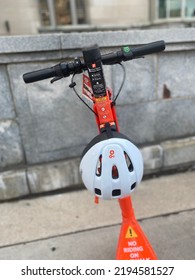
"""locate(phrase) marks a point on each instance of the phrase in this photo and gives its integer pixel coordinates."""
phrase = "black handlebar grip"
(148, 49)
(39, 75)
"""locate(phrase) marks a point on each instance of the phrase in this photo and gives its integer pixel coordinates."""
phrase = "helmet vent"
(98, 191)
(129, 163)
(99, 166)
(133, 186)
(116, 192)
(115, 174)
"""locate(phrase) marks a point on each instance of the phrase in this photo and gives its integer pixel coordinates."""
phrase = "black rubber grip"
(112, 58)
(148, 49)
(39, 75)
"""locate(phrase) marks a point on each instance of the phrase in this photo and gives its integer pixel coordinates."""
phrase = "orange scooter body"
(132, 243)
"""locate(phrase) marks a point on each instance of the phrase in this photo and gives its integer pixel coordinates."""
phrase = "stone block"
(179, 152)
(13, 184)
(137, 121)
(11, 152)
(174, 118)
(54, 176)
(30, 56)
(175, 71)
(153, 158)
(140, 83)
(157, 121)
(6, 105)
(54, 123)
(29, 43)
(131, 37)
(50, 42)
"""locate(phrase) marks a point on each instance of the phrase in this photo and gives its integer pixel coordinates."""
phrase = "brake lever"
(55, 79)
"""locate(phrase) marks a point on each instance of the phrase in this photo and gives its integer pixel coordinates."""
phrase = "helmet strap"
(109, 130)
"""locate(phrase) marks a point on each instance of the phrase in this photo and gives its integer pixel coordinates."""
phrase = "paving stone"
(49, 216)
(100, 244)
(70, 226)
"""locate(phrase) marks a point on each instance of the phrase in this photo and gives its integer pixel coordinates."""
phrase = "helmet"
(111, 167)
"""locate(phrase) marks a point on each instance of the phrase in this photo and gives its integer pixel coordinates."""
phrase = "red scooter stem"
(132, 242)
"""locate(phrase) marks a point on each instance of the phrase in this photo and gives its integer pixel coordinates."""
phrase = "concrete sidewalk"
(71, 226)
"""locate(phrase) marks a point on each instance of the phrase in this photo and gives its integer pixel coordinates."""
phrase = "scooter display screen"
(97, 78)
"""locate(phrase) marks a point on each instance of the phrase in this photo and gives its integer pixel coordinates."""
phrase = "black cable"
(122, 84)
(72, 85)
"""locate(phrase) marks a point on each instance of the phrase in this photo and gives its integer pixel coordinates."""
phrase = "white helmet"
(111, 167)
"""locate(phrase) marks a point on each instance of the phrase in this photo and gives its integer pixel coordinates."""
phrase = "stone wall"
(44, 127)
